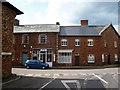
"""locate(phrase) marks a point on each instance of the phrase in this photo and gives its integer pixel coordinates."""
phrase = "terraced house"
(67, 45)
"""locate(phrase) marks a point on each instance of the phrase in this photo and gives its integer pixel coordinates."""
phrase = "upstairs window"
(115, 44)
(64, 42)
(77, 42)
(25, 39)
(105, 43)
(42, 39)
(90, 42)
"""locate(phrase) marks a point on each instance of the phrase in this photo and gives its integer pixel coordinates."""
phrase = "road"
(67, 79)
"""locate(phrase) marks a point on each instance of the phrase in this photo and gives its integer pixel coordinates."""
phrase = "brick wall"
(8, 16)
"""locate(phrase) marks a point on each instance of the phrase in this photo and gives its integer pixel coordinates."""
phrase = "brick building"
(35, 42)
(88, 45)
(67, 45)
(8, 14)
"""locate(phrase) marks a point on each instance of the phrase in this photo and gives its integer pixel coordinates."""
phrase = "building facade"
(8, 14)
(35, 42)
(67, 45)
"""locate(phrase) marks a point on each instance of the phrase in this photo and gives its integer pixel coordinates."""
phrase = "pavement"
(78, 67)
(67, 79)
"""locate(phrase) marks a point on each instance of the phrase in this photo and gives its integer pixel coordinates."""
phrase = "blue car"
(36, 64)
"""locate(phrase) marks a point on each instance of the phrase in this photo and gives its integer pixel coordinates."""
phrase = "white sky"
(67, 12)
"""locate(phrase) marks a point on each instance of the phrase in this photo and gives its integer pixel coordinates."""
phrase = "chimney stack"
(84, 22)
(57, 23)
(16, 22)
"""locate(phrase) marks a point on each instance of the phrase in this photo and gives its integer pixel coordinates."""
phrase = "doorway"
(77, 60)
(108, 58)
(24, 57)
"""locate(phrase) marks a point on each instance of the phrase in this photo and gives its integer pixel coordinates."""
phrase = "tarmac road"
(65, 79)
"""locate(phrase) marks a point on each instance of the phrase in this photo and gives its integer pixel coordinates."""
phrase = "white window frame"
(64, 42)
(116, 57)
(90, 42)
(115, 44)
(90, 57)
(77, 42)
(103, 57)
(40, 35)
(65, 57)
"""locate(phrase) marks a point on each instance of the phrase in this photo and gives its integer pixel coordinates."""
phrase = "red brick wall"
(7, 28)
(33, 41)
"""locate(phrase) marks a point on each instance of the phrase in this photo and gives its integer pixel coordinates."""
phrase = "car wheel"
(28, 67)
(43, 67)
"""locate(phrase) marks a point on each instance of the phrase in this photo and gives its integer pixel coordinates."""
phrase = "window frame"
(115, 57)
(64, 42)
(45, 38)
(25, 39)
(65, 57)
(115, 44)
(103, 57)
(77, 42)
(89, 59)
(90, 40)
(105, 43)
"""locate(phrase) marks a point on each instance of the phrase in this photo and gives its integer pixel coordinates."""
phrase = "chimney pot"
(84, 22)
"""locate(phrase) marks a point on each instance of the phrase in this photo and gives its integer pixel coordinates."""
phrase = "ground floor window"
(44, 55)
(116, 57)
(65, 57)
(103, 57)
(91, 58)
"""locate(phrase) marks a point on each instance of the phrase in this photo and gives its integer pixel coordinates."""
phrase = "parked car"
(36, 64)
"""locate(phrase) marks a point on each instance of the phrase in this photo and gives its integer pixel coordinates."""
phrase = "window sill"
(63, 45)
(77, 45)
(90, 45)
(91, 61)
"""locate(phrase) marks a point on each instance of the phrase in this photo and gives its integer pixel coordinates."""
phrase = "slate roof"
(36, 28)
(81, 30)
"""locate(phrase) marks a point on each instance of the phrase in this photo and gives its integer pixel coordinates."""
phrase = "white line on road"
(71, 81)
(100, 78)
(46, 84)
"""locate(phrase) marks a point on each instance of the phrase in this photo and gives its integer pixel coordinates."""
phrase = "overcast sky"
(67, 12)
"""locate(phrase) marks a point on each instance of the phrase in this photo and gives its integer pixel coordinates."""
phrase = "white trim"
(91, 61)
(90, 40)
(36, 28)
(64, 42)
(68, 50)
(6, 53)
(104, 28)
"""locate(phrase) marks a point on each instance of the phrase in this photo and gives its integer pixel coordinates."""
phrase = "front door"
(108, 58)
(77, 60)
(24, 57)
